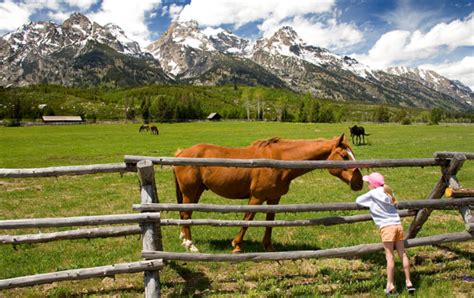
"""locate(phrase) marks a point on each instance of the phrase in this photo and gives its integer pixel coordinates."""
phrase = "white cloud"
(401, 46)
(129, 15)
(238, 13)
(329, 34)
(274, 14)
(12, 16)
(462, 70)
(59, 16)
(406, 16)
(173, 11)
(82, 4)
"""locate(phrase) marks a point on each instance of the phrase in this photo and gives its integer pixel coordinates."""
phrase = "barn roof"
(62, 118)
(214, 116)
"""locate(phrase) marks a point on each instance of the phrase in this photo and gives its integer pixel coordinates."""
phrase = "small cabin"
(214, 117)
(62, 120)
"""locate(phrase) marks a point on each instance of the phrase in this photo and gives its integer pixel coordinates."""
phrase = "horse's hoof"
(236, 250)
(181, 235)
(269, 249)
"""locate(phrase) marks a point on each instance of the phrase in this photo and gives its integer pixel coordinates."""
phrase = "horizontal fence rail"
(326, 221)
(79, 220)
(84, 273)
(446, 155)
(286, 164)
(349, 251)
(63, 171)
(103, 232)
(433, 204)
(130, 160)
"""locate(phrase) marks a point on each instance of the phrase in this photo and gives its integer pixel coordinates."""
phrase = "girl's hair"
(388, 191)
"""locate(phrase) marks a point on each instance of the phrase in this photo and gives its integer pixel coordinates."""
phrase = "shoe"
(392, 292)
(411, 290)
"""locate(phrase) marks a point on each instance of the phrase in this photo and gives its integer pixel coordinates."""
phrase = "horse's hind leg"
(237, 242)
(267, 238)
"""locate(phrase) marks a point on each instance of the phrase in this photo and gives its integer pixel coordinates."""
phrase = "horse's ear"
(340, 141)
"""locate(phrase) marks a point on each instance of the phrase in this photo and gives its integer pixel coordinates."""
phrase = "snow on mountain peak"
(45, 38)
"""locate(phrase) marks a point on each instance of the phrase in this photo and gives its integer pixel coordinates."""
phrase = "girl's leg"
(388, 246)
(406, 263)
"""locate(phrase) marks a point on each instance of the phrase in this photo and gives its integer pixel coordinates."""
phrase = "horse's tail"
(367, 134)
(179, 195)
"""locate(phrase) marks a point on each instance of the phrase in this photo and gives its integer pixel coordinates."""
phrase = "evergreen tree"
(302, 115)
(326, 114)
(145, 107)
(314, 107)
(381, 114)
(436, 115)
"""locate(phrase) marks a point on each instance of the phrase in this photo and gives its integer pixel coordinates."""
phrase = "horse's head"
(342, 151)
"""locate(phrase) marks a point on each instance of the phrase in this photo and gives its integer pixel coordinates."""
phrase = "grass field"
(439, 271)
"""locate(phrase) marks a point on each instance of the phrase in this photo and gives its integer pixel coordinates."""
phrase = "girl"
(381, 202)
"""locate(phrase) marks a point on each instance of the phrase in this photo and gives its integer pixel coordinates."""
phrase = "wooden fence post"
(151, 232)
(447, 173)
(464, 210)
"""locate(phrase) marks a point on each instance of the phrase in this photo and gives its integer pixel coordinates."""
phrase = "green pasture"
(438, 271)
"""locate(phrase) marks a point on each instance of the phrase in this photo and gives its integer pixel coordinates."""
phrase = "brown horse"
(256, 184)
(154, 130)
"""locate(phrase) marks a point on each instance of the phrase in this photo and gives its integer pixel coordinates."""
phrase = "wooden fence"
(150, 221)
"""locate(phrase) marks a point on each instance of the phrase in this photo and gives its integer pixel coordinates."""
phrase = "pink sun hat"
(375, 179)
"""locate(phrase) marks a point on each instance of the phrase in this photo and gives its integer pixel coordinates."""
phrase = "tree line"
(185, 103)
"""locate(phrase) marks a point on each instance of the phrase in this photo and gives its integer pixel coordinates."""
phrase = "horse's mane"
(276, 140)
(265, 143)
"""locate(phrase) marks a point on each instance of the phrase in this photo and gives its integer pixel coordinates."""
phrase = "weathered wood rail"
(150, 221)
(83, 273)
(64, 170)
(341, 252)
(286, 164)
(419, 204)
(413, 207)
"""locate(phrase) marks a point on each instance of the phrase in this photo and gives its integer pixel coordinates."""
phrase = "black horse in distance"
(359, 133)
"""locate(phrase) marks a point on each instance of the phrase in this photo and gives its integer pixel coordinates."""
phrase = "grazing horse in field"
(358, 132)
(154, 130)
(144, 128)
(259, 185)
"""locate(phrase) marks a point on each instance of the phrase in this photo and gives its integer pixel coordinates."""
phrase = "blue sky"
(434, 34)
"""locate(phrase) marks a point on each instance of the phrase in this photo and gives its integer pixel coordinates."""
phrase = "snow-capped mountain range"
(77, 52)
(81, 52)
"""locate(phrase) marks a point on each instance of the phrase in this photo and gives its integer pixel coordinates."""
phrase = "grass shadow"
(257, 246)
(458, 252)
(115, 292)
(194, 281)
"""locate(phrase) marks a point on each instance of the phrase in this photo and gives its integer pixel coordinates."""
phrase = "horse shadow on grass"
(252, 246)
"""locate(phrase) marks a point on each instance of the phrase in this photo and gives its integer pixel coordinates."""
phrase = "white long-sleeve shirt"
(381, 208)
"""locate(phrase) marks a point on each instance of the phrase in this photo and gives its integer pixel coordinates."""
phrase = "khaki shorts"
(391, 233)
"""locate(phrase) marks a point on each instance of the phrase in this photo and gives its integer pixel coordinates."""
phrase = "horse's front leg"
(267, 238)
(237, 242)
(185, 233)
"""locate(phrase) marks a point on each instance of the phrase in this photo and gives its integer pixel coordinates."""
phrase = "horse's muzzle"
(356, 181)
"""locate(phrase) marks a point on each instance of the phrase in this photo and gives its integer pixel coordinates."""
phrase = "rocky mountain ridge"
(187, 52)
(81, 52)
(77, 52)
